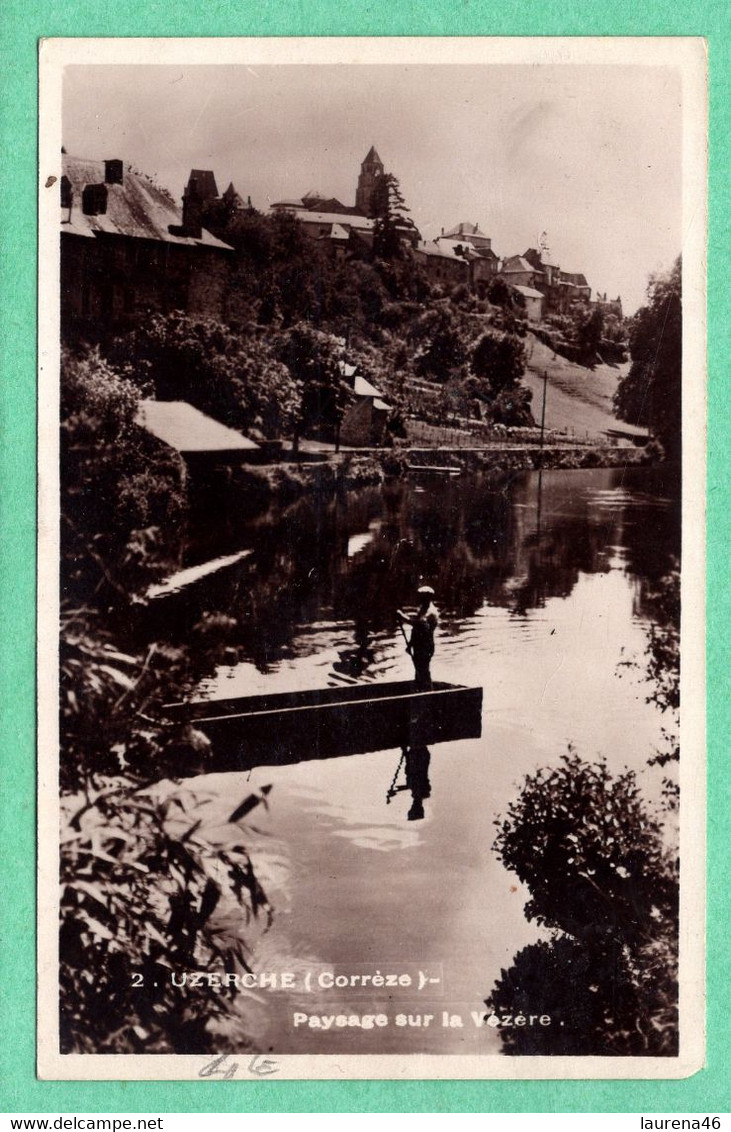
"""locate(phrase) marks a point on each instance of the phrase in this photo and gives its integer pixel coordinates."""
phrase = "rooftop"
(203, 183)
(187, 429)
(346, 219)
(136, 207)
(364, 388)
(528, 292)
(464, 228)
(515, 263)
(445, 249)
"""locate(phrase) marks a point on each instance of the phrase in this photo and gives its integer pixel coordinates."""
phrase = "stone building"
(532, 301)
(344, 227)
(476, 248)
(518, 271)
(445, 261)
(126, 250)
(562, 289)
(371, 170)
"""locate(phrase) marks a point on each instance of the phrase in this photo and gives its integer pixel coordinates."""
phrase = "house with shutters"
(128, 250)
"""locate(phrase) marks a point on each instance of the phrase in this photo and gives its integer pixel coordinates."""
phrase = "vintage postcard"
(371, 482)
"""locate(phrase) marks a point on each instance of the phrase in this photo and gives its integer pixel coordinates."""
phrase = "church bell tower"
(370, 171)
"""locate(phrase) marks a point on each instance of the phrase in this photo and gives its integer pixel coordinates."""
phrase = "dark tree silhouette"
(651, 393)
(499, 359)
(601, 878)
(393, 225)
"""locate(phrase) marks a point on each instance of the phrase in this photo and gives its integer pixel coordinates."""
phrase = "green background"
(22, 22)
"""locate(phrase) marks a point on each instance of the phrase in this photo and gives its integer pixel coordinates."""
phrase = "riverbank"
(350, 470)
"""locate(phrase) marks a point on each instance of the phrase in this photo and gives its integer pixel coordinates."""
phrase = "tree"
(498, 292)
(651, 393)
(590, 853)
(594, 860)
(124, 501)
(445, 351)
(313, 358)
(141, 881)
(499, 359)
(232, 376)
(393, 224)
(589, 336)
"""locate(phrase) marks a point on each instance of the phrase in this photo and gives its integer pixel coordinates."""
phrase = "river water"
(542, 586)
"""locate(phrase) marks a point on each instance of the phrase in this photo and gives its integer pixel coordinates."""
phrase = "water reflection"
(353, 561)
(541, 594)
(415, 761)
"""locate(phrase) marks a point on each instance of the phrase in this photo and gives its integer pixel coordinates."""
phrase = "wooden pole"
(543, 418)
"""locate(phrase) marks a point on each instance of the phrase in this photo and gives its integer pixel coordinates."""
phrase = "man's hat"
(426, 590)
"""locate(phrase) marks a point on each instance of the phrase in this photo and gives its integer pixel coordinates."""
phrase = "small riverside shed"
(198, 438)
(364, 423)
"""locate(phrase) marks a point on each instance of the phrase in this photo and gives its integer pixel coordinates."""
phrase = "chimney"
(113, 172)
(192, 209)
(67, 194)
(94, 200)
(442, 231)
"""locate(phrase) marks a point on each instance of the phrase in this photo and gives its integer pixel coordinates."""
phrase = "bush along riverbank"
(256, 486)
(145, 887)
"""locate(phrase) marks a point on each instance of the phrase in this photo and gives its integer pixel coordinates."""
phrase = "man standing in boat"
(423, 626)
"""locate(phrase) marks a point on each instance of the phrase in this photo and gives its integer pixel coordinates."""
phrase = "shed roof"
(136, 208)
(187, 429)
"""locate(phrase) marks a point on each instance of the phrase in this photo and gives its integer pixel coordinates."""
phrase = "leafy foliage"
(393, 224)
(589, 852)
(589, 336)
(651, 393)
(124, 495)
(499, 359)
(313, 358)
(231, 375)
(445, 350)
(143, 887)
(600, 1002)
(598, 872)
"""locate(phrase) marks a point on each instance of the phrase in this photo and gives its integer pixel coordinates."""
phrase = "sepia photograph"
(371, 452)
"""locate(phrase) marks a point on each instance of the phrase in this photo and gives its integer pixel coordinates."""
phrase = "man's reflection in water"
(416, 760)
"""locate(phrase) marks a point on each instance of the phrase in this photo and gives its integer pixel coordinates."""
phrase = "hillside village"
(406, 339)
(306, 449)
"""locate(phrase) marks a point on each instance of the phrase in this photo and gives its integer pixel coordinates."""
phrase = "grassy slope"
(578, 399)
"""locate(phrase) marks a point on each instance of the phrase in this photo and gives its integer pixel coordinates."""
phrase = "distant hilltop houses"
(128, 248)
(346, 228)
(464, 255)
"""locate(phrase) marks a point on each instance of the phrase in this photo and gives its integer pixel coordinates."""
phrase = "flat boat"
(290, 727)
